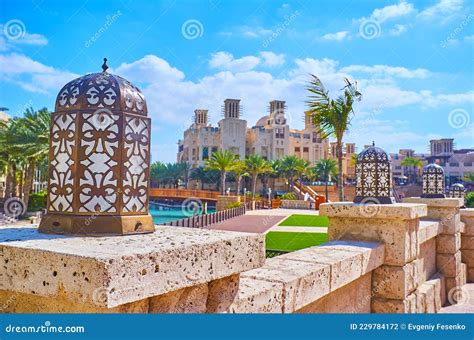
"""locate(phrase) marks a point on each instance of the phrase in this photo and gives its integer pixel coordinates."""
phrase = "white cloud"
(148, 69)
(443, 8)
(401, 9)
(398, 30)
(338, 36)
(226, 61)
(32, 75)
(272, 59)
(384, 70)
(25, 39)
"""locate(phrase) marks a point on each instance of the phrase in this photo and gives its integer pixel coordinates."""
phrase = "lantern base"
(96, 225)
(374, 200)
(433, 196)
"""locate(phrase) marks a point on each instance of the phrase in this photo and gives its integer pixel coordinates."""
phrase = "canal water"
(161, 215)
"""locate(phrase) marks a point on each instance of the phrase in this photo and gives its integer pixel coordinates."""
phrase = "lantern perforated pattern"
(456, 191)
(433, 181)
(99, 159)
(373, 177)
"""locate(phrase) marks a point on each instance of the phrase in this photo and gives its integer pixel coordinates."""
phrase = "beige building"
(271, 137)
(348, 160)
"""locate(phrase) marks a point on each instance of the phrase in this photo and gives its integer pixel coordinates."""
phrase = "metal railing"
(269, 253)
(202, 221)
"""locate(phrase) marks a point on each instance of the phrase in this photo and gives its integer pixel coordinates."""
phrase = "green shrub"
(288, 196)
(234, 205)
(249, 195)
(469, 199)
(37, 201)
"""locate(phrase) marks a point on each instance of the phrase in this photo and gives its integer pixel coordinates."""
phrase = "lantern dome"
(456, 191)
(101, 91)
(433, 181)
(373, 177)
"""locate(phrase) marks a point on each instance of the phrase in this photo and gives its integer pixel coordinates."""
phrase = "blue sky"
(413, 60)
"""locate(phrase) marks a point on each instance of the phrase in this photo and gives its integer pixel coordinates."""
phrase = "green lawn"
(289, 241)
(305, 221)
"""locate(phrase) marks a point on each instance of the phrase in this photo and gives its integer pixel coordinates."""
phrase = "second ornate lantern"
(99, 159)
(373, 177)
(433, 181)
(457, 191)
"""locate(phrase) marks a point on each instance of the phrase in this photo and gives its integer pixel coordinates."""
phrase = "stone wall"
(224, 201)
(400, 258)
(467, 242)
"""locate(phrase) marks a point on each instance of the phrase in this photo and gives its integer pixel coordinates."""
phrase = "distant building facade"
(456, 163)
(271, 137)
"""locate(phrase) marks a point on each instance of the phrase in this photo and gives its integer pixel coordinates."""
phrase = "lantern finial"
(373, 143)
(105, 66)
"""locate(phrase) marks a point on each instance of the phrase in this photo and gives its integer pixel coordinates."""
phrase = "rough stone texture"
(352, 298)
(222, 293)
(467, 216)
(394, 282)
(256, 296)
(448, 244)
(345, 266)
(436, 202)
(403, 211)
(113, 271)
(303, 282)
(186, 300)
(381, 305)
(399, 236)
(454, 283)
(224, 201)
(449, 264)
(468, 257)
(428, 230)
(427, 260)
(15, 302)
(467, 242)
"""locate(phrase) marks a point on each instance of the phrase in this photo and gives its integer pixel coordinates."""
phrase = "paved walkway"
(248, 223)
(467, 305)
(260, 221)
(282, 212)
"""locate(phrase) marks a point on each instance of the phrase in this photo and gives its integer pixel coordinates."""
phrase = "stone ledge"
(436, 202)
(403, 211)
(428, 230)
(468, 212)
(112, 271)
(302, 277)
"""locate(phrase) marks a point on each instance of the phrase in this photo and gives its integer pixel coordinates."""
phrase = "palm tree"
(24, 142)
(224, 162)
(292, 167)
(324, 169)
(412, 162)
(256, 166)
(332, 117)
(240, 171)
(469, 177)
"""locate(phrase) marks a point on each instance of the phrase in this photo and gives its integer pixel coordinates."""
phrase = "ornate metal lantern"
(456, 191)
(373, 177)
(99, 159)
(433, 181)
